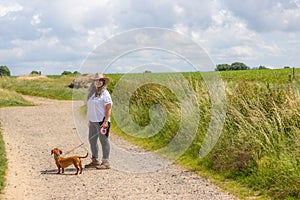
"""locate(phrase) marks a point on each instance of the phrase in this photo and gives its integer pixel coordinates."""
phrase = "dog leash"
(80, 144)
(74, 148)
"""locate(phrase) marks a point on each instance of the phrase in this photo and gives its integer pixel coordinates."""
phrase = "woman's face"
(98, 83)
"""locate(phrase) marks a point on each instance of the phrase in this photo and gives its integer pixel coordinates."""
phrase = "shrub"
(4, 71)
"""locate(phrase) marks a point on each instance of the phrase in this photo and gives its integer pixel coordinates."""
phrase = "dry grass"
(31, 77)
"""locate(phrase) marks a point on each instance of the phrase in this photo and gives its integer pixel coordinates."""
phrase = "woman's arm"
(107, 115)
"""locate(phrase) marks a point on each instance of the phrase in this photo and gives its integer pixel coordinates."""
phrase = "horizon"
(150, 72)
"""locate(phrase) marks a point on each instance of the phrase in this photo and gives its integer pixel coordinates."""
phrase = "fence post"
(293, 72)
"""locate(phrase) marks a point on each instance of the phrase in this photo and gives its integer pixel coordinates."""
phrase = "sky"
(60, 35)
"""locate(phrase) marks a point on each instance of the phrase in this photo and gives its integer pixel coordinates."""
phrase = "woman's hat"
(98, 76)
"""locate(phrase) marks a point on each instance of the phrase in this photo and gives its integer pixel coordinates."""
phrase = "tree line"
(4, 70)
(236, 66)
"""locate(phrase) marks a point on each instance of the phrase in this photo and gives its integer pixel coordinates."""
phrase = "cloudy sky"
(58, 35)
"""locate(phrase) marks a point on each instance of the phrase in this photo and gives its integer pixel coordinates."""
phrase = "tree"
(4, 71)
(233, 66)
(223, 67)
(70, 73)
(34, 72)
(76, 72)
(262, 67)
(66, 73)
(239, 66)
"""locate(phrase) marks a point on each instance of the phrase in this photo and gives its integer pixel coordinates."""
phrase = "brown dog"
(65, 162)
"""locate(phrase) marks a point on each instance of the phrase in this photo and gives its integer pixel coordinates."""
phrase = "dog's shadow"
(54, 172)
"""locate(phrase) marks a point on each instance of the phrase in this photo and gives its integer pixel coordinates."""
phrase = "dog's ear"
(51, 152)
(60, 151)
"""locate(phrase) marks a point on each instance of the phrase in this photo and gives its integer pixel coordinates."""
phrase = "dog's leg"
(62, 170)
(77, 169)
(58, 169)
(80, 166)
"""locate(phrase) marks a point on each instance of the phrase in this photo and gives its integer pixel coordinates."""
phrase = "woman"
(99, 106)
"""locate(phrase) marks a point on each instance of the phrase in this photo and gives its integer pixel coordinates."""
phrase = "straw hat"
(98, 76)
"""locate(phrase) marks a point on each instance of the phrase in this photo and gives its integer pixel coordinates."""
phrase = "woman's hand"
(104, 125)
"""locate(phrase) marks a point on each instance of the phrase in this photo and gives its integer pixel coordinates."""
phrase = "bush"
(36, 72)
(4, 71)
(70, 73)
(233, 66)
(66, 73)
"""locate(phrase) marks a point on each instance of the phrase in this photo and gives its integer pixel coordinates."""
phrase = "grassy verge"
(3, 163)
(257, 155)
(12, 98)
(53, 87)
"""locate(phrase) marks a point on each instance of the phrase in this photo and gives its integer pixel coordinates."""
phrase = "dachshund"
(62, 163)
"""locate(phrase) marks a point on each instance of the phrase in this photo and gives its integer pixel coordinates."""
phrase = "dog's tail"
(84, 156)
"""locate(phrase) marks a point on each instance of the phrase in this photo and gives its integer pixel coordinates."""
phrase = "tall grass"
(140, 103)
(12, 98)
(3, 163)
(259, 144)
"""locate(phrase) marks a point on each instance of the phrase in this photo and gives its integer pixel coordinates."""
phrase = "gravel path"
(31, 132)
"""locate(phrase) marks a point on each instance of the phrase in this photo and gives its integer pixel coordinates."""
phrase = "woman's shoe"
(103, 166)
(94, 164)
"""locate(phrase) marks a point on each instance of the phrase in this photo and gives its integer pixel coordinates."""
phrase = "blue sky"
(54, 36)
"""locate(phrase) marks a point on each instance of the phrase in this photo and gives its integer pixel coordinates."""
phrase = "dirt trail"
(31, 132)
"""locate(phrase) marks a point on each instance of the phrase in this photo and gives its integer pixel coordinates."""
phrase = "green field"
(257, 154)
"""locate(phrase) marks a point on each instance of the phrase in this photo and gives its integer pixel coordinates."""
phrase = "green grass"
(259, 145)
(257, 154)
(258, 151)
(53, 87)
(3, 163)
(12, 98)
(275, 76)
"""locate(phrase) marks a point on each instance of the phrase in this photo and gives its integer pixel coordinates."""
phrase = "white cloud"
(99, 34)
(242, 51)
(6, 9)
(35, 20)
(268, 15)
(229, 39)
(65, 31)
(178, 10)
(14, 53)
(181, 28)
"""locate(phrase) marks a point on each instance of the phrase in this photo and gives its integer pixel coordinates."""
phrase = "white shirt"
(96, 107)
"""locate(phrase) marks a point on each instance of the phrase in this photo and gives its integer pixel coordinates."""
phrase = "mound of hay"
(32, 77)
(83, 81)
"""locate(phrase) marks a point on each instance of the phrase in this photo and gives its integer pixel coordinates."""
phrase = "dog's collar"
(56, 157)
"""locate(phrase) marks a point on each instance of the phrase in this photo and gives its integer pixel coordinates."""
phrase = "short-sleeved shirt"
(96, 107)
